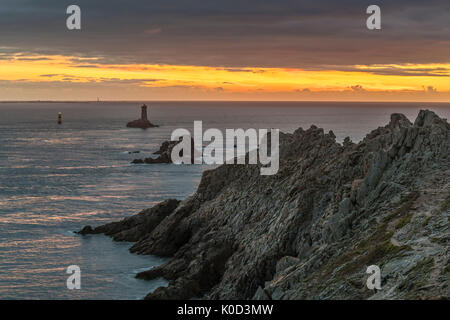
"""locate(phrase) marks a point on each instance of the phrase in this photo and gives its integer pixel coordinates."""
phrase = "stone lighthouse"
(143, 122)
(144, 112)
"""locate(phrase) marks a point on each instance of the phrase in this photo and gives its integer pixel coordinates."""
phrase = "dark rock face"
(310, 231)
(143, 122)
(86, 230)
(137, 226)
(165, 153)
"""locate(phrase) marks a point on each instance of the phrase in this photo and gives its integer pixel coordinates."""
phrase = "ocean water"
(55, 179)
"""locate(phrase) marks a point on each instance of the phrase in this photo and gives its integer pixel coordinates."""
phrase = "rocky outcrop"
(135, 227)
(165, 153)
(310, 231)
(142, 124)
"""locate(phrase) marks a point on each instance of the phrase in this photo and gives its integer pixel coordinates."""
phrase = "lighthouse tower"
(143, 121)
(144, 112)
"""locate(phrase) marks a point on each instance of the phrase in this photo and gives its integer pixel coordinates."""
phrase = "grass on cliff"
(404, 206)
(404, 221)
(445, 205)
(417, 278)
(376, 248)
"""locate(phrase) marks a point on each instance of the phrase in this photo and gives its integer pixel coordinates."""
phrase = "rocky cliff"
(310, 231)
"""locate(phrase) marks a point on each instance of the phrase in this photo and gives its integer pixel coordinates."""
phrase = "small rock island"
(143, 122)
(165, 152)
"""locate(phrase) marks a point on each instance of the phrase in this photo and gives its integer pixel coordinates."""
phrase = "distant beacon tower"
(144, 112)
(143, 122)
(59, 117)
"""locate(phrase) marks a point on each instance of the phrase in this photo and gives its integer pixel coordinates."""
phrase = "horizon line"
(213, 100)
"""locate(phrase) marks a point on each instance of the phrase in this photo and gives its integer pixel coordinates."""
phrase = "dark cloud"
(418, 72)
(33, 59)
(237, 70)
(86, 66)
(430, 89)
(388, 70)
(357, 88)
(232, 33)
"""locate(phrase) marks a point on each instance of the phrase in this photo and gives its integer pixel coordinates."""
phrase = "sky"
(225, 50)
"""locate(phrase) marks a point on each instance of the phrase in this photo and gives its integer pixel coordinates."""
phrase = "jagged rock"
(137, 226)
(347, 142)
(285, 263)
(261, 295)
(356, 183)
(165, 153)
(303, 233)
(86, 230)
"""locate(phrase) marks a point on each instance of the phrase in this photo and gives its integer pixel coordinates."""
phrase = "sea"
(55, 179)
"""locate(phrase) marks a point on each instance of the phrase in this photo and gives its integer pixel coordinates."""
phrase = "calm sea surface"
(55, 179)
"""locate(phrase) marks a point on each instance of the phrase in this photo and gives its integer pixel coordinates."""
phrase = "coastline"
(309, 231)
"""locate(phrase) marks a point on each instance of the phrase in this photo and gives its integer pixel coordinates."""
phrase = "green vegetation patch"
(404, 221)
(417, 278)
(375, 249)
(426, 221)
(445, 205)
(405, 204)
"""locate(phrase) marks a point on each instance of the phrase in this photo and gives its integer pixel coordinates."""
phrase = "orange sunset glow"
(360, 81)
